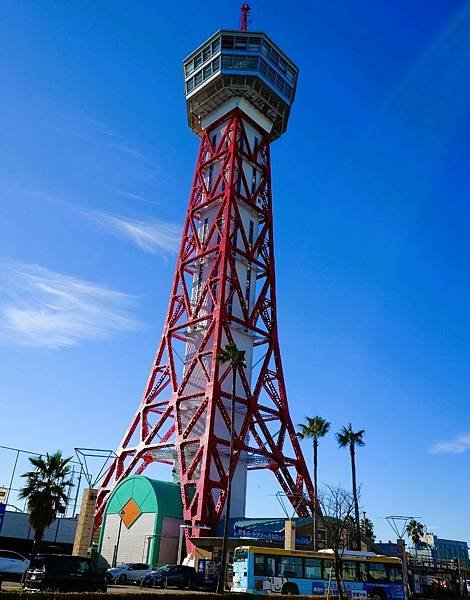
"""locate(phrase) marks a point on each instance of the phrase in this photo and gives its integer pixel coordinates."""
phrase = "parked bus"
(277, 571)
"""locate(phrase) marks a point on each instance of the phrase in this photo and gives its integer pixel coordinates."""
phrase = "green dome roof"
(150, 495)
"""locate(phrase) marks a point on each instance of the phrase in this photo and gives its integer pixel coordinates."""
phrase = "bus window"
(349, 570)
(240, 554)
(270, 565)
(290, 566)
(377, 572)
(265, 565)
(328, 569)
(363, 572)
(259, 564)
(394, 574)
(312, 568)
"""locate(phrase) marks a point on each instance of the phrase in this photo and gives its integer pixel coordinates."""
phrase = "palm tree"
(44, 492)
(415, 531)
(235, 359)
(347, 438)
(314, 429)
(367, 528)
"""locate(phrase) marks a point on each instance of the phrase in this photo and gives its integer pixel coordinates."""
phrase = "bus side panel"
(393, 591)
(355, 589)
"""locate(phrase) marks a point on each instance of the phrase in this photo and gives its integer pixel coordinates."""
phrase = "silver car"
(127, 573)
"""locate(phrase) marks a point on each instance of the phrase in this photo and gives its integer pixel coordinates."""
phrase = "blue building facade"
(440, 548)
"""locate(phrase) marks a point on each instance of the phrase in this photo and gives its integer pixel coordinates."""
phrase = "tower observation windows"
(240, 62)
(276, 59)
(202, 75)
(202, 57)
(233, 51)
(274, 56)
(271, 74)
(241, 43)
(227, 42)
(189, 68)
(290, 75)
(254, 44)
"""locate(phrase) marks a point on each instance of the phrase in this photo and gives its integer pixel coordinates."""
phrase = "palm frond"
(348, 437)
(44, 490)
(232, 356)
(314, 428)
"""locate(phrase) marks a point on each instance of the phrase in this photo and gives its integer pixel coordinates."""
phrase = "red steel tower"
(239, 88)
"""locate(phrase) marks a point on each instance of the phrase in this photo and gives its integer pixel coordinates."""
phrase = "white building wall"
(133, 542)
(16, 525)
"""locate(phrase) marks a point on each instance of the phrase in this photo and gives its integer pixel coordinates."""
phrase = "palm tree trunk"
(38, 535)
(338, 572)
(356, 501)
(223, 562)
(315, 477)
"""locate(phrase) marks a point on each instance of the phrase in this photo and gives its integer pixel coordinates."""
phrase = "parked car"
(64, 573)
(127, 573)
(174, 576)
(12, 564)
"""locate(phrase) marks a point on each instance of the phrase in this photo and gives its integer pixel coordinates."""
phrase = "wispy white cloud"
(129, 150)
(151, 235)
(132, 196)
(96, 132)
(458, 445)
(156, 237)
(42, 308)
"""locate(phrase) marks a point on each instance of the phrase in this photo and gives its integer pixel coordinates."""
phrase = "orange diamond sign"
(130, 512)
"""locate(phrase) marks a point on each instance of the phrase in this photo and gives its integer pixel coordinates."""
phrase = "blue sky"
(371, 195)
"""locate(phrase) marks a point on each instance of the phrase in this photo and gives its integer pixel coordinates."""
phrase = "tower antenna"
(244, 12)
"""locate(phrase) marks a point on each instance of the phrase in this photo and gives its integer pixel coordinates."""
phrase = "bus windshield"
(240, 554)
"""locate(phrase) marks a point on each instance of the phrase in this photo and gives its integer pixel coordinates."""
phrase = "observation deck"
(239, 68)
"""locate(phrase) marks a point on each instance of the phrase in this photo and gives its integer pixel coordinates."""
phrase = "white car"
(127, 573)
(12, 563)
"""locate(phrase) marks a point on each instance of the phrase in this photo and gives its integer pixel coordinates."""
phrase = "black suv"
(64, 573)
(174, 576)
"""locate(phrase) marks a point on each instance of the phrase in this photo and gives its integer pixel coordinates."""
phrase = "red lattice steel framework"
(174, 415)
